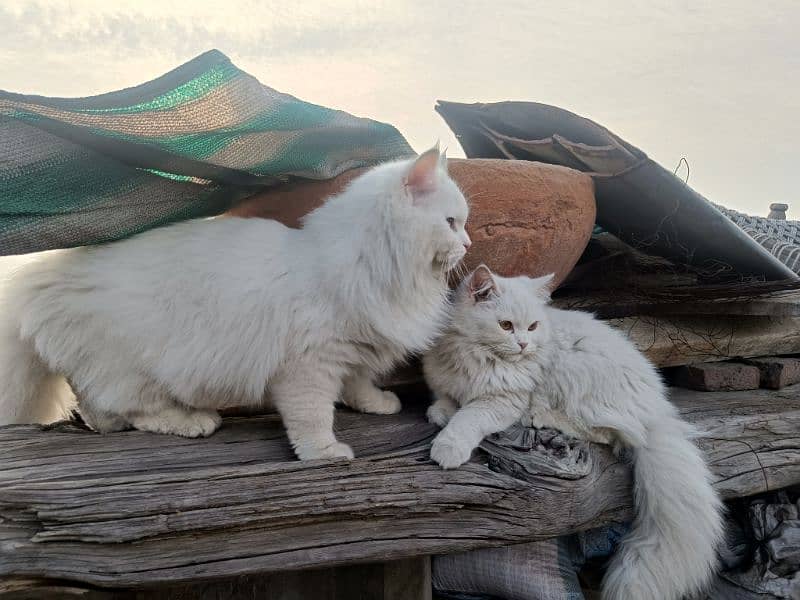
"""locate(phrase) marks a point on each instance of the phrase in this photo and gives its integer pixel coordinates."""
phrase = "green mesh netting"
(77, 171)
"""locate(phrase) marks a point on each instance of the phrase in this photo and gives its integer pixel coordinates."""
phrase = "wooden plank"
(751, 438)
(675, 341)
(136, 510)
(618, 304)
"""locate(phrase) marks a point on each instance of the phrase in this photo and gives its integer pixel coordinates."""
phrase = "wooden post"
(778, 211)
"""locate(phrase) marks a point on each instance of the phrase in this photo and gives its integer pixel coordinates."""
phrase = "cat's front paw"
(449, 453)
(438, 414)
(334, 450)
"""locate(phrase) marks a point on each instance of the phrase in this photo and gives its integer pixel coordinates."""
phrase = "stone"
(777, 373)
(526, 218)
(777, 210)
(720, 377)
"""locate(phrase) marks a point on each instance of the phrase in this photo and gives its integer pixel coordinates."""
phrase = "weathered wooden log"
(681, 340)
(134, 509)
(619, 304)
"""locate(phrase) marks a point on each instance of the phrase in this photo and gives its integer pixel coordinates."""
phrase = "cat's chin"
(501, 354)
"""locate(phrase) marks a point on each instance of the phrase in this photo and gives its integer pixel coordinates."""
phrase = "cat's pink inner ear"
(421, 177)
(482, 284)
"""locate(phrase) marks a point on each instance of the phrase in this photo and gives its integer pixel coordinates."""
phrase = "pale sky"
(716, 82)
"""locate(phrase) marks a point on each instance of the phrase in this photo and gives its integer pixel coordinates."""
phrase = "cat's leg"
(473, 422)
(442, 410)
(360, 393)
(179, 420)
(305, 400)
(133, 401)
(101, 420)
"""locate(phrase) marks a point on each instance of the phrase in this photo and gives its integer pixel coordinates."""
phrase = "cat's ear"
(443, 159)
(543, 286)
(422, 174)
(482, 285)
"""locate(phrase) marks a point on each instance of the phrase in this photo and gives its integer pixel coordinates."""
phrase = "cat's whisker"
(460, 271)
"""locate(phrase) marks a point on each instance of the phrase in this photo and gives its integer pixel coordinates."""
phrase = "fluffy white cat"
(508, 356)
(159, 331)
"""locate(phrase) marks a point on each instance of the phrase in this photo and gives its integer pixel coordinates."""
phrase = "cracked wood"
(134, 509)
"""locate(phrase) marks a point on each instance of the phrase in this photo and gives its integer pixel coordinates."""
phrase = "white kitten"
(159, 331)
(508, 356)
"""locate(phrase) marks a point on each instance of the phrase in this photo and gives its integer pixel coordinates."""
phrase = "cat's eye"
(533, 326)
(452, 222)
(506, 325)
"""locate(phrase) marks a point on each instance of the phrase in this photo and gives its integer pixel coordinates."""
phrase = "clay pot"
(525, 217)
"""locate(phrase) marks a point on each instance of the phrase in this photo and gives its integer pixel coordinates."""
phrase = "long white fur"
(581, 376)
(161, 330)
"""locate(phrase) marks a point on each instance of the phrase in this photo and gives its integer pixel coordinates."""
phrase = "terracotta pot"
(525, 217)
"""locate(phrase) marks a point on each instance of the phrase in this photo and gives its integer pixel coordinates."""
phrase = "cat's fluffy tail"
(29, 391)
(671, 550)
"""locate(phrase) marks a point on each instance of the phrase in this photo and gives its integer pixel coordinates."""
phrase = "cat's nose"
(467, 244)
(522, 345)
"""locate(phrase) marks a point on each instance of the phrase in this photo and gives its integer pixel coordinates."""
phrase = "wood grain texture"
(618, 304)
(135, 510)
(681, 340)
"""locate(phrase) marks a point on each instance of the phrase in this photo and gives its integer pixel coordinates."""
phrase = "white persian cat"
(158, 331)
(508, 356)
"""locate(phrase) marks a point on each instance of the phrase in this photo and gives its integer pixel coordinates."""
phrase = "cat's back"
(179, 303)
(218, 248)
(203, 267)
(584, 342)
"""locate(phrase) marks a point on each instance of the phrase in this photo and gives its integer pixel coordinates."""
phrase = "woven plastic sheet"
(780, 237)
(78, 171)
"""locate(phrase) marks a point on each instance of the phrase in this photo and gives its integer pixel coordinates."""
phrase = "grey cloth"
(534, 571)
(763, 561)
(546, 570)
